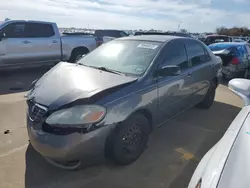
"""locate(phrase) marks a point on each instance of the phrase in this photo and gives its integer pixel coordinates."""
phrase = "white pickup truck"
(34, 43)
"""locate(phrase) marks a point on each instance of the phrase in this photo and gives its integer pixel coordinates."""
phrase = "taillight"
(235, 61)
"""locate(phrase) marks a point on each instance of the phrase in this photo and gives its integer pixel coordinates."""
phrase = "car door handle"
(54, 41)
(26, 42)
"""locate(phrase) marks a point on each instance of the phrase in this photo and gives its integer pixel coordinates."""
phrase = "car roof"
(28, 21)
(153, 38)
(228, 44)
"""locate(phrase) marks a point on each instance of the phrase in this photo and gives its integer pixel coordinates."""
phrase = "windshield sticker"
(148, 46)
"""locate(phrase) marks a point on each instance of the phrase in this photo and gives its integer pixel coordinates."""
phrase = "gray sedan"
(114, 97)
(227, 164)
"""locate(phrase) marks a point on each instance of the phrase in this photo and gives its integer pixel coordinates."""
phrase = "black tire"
(129, 140)
(208, 100)
(77, 54)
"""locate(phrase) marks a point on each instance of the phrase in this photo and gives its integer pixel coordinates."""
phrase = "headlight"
(77, 115)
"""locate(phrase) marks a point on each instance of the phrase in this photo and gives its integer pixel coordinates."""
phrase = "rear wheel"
(77, 54)
(208, 100)
(130, 140)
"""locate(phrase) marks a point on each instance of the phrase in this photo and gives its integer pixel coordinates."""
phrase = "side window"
(14, 30)
(123, 34)
(38, 30)
(196, 53)
(175, 54)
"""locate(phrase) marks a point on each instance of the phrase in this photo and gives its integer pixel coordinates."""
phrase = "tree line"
(235, 31)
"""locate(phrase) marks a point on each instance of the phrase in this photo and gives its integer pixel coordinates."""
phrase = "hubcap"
(132, 139)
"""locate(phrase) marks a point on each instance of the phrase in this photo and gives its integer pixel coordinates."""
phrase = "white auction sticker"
(147, 46)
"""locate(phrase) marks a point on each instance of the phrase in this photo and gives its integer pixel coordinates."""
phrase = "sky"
(193, 15)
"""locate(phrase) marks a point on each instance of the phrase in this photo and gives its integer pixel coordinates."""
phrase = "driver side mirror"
(169, 70)
(242, 88)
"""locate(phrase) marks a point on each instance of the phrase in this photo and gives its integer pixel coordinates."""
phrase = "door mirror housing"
(169, 70)
(242, 88)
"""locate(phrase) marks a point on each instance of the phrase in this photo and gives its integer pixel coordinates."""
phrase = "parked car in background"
(32, 43)
(163, 33)
(226, 164)
(210, 39)
(235, 57)
(116, 95)
(201, 38)
(106, 35)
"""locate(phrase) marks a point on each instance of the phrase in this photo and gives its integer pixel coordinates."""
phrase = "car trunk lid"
(225, 55)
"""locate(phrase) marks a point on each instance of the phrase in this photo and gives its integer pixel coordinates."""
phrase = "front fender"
(140, 100)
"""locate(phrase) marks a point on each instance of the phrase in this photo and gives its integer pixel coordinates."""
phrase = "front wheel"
(130, 140)
(208, 100)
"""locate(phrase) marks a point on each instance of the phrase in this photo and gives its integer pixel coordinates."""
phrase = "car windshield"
(126, 56)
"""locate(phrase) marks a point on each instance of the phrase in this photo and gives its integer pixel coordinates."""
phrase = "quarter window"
(197, 53)
(175, 54)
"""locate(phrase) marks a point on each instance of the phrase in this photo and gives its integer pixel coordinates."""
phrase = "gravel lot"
(173, 152)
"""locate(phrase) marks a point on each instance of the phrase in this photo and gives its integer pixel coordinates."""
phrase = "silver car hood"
(212, 165)
(236, 172)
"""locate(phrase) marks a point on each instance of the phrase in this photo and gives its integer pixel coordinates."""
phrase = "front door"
(174, 91)
(15, 47)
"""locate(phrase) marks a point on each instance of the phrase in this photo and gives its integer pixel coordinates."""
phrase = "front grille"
(36, 111)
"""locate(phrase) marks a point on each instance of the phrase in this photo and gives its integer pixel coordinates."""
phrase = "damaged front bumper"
(59, 150)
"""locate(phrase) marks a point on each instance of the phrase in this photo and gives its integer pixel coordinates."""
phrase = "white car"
(227, 163)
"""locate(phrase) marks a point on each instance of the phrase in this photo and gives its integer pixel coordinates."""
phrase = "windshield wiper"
(107, 70)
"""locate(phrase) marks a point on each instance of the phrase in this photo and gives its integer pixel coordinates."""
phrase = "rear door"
(46, 45)
(202, 67)
(174, 91)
